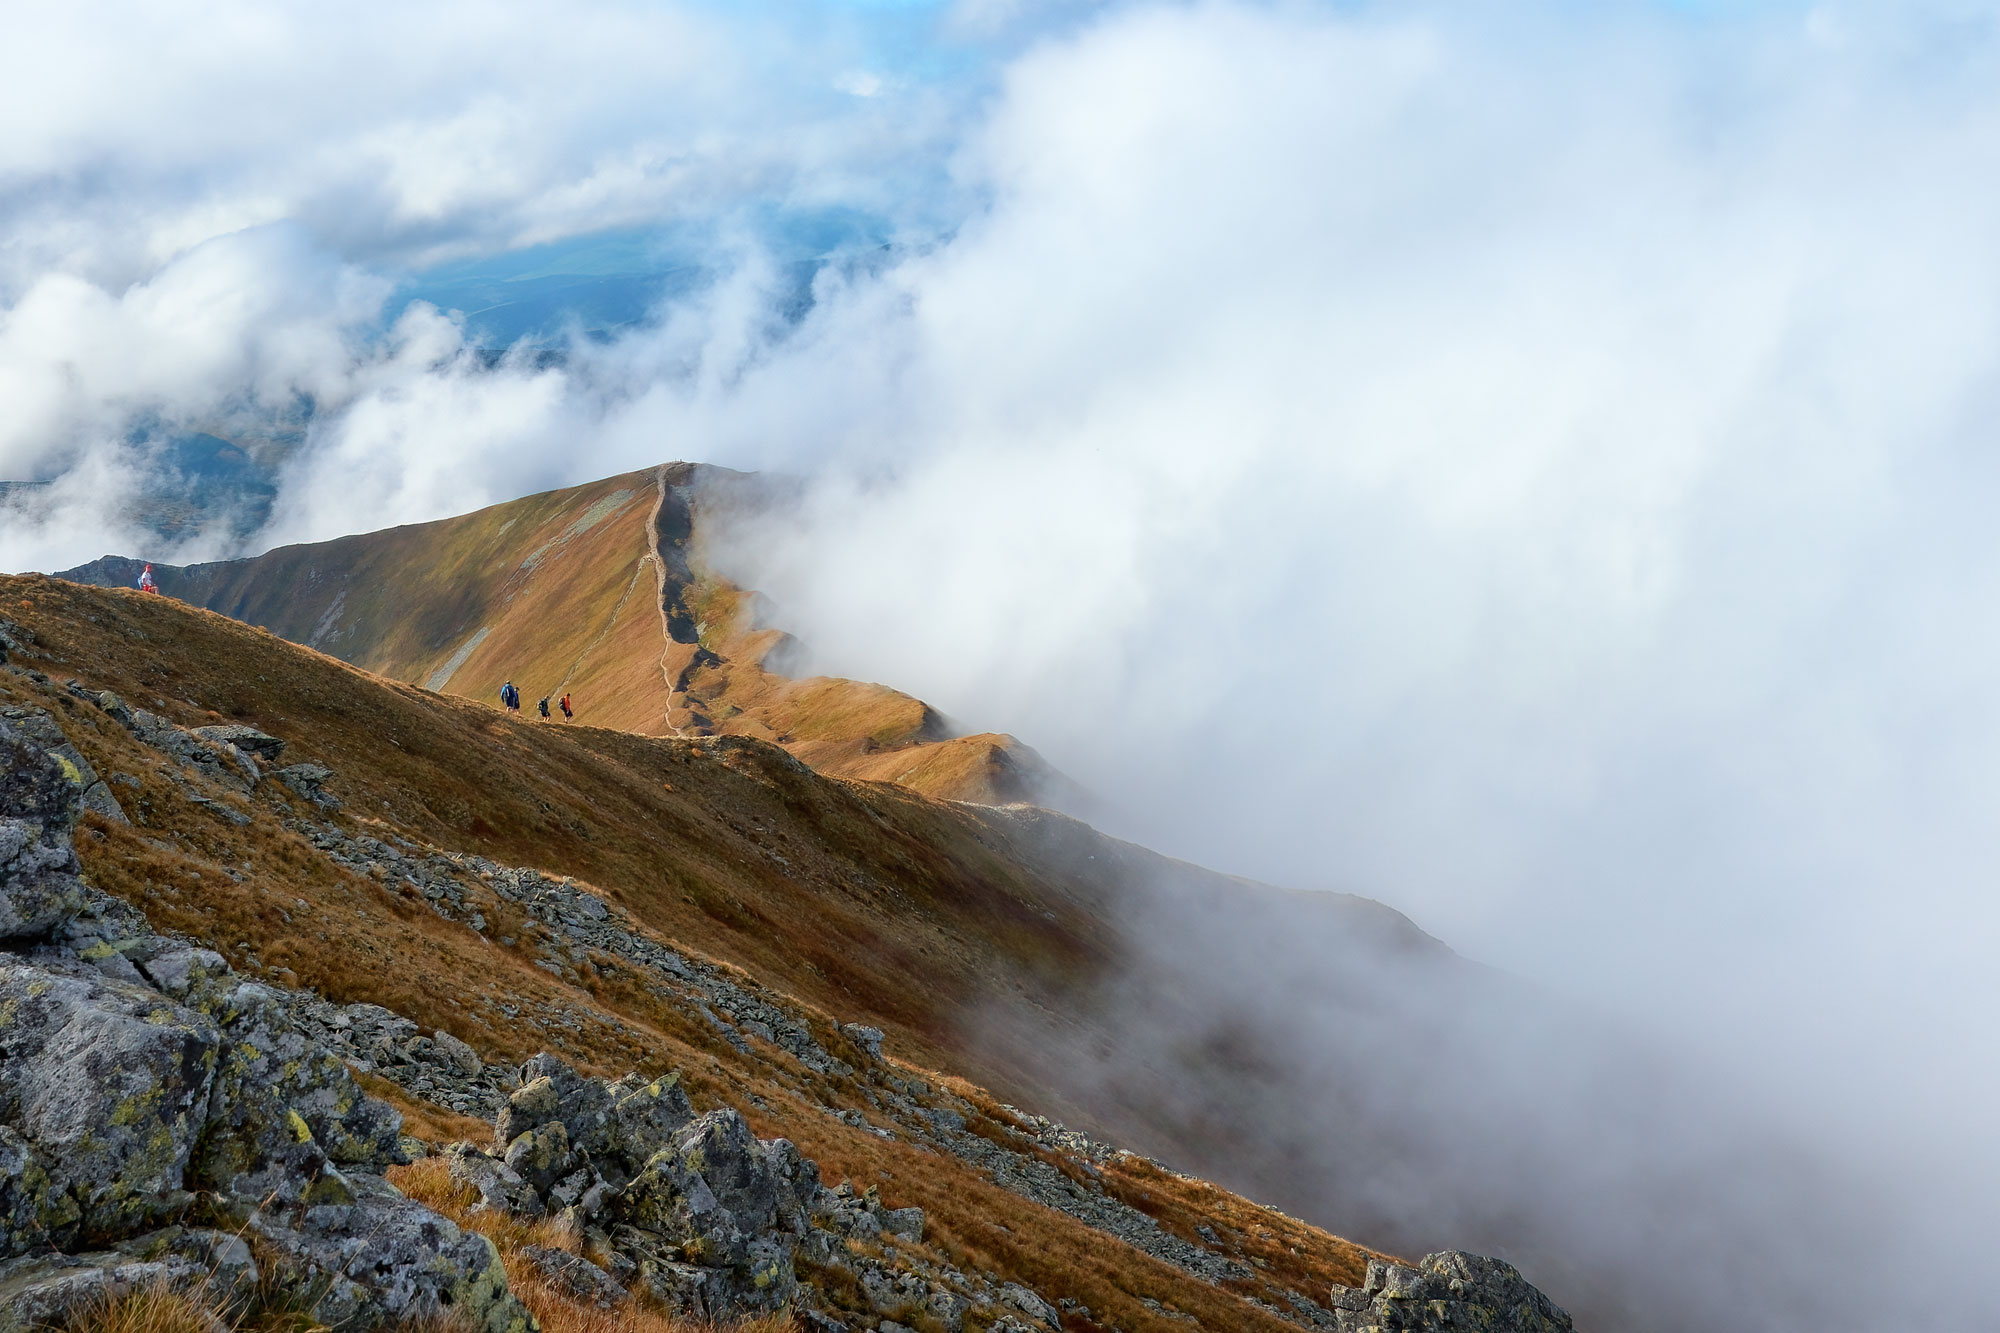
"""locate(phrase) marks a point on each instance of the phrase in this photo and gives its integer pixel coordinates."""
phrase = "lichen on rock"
(136, 1070)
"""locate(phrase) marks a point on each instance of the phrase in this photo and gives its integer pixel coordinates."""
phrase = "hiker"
(568, 716)
(146, 583)
(510, 698)
(545, 708)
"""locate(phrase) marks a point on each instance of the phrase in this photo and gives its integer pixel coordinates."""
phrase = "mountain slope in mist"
(599, 592)
(1308, 1049)
(828, 952)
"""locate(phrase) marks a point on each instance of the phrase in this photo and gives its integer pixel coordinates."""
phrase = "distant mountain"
(600, 592)
(188, 481)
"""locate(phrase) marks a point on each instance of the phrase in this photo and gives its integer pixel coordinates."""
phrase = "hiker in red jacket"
(146, 583)
(568, 716)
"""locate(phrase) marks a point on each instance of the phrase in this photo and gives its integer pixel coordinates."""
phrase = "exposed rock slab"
(1451, 1290)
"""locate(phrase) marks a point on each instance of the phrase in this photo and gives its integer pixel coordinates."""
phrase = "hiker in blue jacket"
(510, 697)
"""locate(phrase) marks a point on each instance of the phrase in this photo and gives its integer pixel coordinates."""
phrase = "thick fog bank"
(1354, 1073)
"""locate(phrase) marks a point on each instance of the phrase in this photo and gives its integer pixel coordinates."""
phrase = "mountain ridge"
(549, 588)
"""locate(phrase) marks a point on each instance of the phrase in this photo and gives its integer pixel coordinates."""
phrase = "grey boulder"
(39, 794)
(646, 1115)
(309, 781)
(730, 1204)
(45, 1290)
(104, 1095)
(460, 1058)
(283, 1108)
(499, 1186)
(1450, 1290)
(383, 1258)
(247, 739)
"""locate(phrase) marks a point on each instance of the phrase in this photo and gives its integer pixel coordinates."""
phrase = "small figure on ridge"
(568, 716)
(146, 582)
(510, 698)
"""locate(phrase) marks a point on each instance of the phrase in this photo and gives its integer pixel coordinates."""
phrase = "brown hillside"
(838, 901)
(598, 591)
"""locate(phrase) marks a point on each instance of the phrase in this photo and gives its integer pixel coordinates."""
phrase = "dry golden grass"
(425, 1120)
(1295, 1253)
(155, 1308)
(986, 769)
(429, 1182)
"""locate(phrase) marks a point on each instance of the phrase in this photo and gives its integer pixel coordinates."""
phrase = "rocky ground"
(166, 1119)
(163, 1121)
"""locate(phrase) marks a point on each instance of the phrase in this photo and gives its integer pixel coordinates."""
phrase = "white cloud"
(425, 429)
(252, 313)
(1528, 480)
(401, 133)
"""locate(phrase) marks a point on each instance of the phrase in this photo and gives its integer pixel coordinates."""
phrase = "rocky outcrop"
(14, 639)
(219, 761)
(1448, 1291)
(39, 887)
(697, 1214)
(107, 1092)
(576, 924)
(309, 781)
(249, 740)
(228, 755)
(144, 1085)
(692, 1210)
(367, 1255)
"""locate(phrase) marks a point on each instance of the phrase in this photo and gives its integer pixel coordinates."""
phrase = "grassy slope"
(567, 593)
(844, 727)
(867, 901)
(400, 601)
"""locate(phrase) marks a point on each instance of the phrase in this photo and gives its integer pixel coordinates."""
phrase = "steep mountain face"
(677, 1022)
(599, 592)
